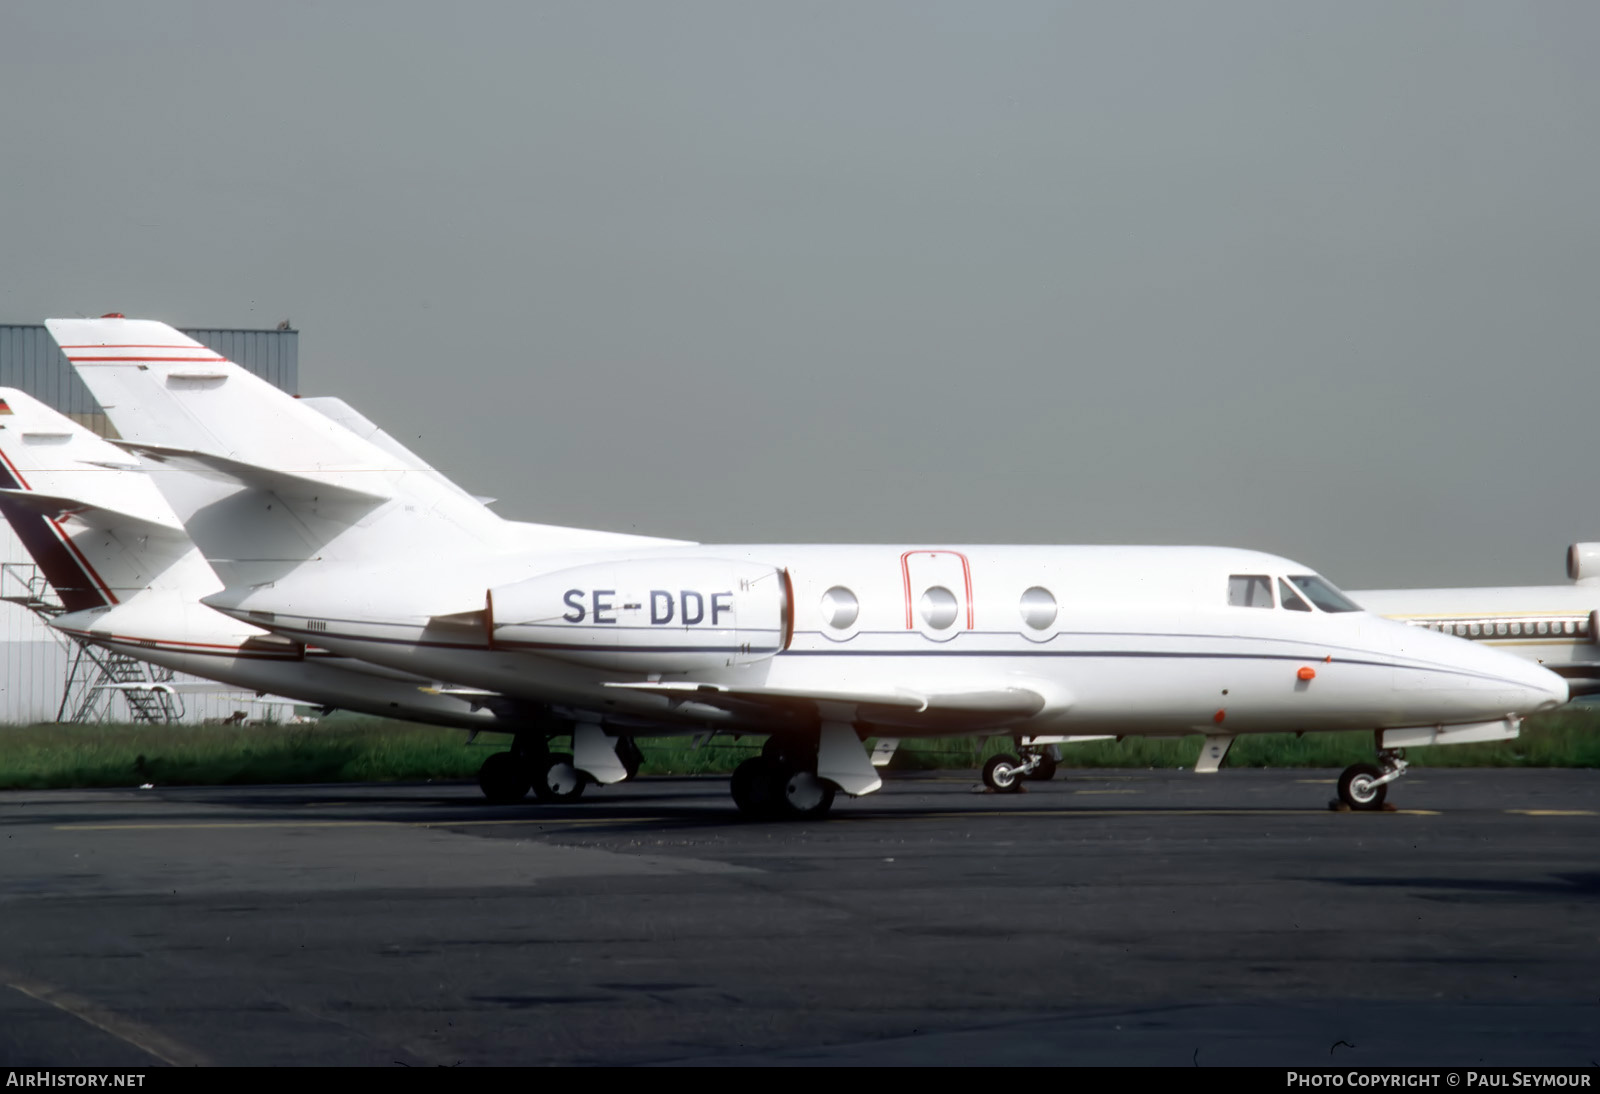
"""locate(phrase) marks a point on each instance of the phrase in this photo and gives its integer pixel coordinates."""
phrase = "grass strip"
(350, 749)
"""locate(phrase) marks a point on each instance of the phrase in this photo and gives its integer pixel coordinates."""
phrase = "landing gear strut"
(1364, 786)
(507, 777)
(1004, 773)
(1045, 768)
(782, 783)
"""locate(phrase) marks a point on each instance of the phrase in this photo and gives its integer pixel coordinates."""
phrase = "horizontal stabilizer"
(55, 508)
(286, 484)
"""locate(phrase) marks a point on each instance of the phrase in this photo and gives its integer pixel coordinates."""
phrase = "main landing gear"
(507, 777)
(552, 776)
(1363, 787)
(782, 783)
(1004, 773)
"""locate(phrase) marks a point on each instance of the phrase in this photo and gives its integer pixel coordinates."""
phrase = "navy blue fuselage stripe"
(585, 647)
(1192, 656)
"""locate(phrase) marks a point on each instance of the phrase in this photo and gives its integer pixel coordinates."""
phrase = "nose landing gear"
(1004, 773)
(1363, 787)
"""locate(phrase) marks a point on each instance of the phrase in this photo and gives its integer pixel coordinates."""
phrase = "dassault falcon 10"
(317, 538)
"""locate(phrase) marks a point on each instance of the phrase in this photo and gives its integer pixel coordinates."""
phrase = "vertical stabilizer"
(93, 522)
(239, 460)
(263, 483)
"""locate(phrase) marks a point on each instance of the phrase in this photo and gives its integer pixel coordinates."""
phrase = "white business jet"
(318, 539)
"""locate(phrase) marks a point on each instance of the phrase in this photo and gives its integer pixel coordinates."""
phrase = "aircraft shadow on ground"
(1472, 890)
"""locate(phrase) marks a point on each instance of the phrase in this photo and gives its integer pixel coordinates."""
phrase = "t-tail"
(92, 521)
(266, 484)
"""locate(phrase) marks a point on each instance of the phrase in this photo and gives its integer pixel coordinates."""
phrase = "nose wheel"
(1363, 787)
(1003, 773)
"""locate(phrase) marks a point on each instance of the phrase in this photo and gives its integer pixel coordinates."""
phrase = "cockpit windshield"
(1323, 595)
(1287, 598)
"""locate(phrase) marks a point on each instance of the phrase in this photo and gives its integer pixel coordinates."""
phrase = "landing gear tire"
(797, 794)
(1001, 774)
(751, 787)
(1357, 789)
(504, 778)
(1045, 771)
(557, 780)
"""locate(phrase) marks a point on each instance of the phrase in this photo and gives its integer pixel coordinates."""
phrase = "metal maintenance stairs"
(93, 673)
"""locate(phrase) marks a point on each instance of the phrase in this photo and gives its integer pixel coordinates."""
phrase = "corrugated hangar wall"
(33, 660)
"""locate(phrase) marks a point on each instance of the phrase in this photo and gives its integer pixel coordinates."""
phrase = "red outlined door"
(938, 592)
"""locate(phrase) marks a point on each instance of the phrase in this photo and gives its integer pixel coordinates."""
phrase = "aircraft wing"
(900, 709)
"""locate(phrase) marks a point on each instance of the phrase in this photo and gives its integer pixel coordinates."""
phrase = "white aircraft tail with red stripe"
(265, 484)
(94, 523)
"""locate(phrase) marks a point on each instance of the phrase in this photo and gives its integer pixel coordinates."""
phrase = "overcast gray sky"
(1320, 279)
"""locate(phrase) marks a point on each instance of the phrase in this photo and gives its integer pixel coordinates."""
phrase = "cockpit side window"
(1250, 591)
(1289, 599)
(1323, 595)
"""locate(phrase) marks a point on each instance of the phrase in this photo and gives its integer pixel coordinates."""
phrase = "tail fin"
(94, 523)
(222, 429)
(263, 483)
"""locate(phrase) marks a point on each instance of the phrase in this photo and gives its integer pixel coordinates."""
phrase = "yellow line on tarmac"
(601, 821)
(180, 825)
(542, 820)
(1150, 813)
(169, 825)
(1554, 812)
(137, 1034)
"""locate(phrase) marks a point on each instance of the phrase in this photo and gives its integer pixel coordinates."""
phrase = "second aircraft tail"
(94, 523)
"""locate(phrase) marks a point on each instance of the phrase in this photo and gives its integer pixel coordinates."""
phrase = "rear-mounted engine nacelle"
(1583, 561)
(648, 615)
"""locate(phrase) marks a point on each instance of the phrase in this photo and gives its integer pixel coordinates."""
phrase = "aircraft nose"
(1549, 690)
(1537, 688)
(1493, 683)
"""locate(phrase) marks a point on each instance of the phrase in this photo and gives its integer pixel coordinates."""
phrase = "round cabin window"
(939, 607)
(840, 608)
(1038, 608)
